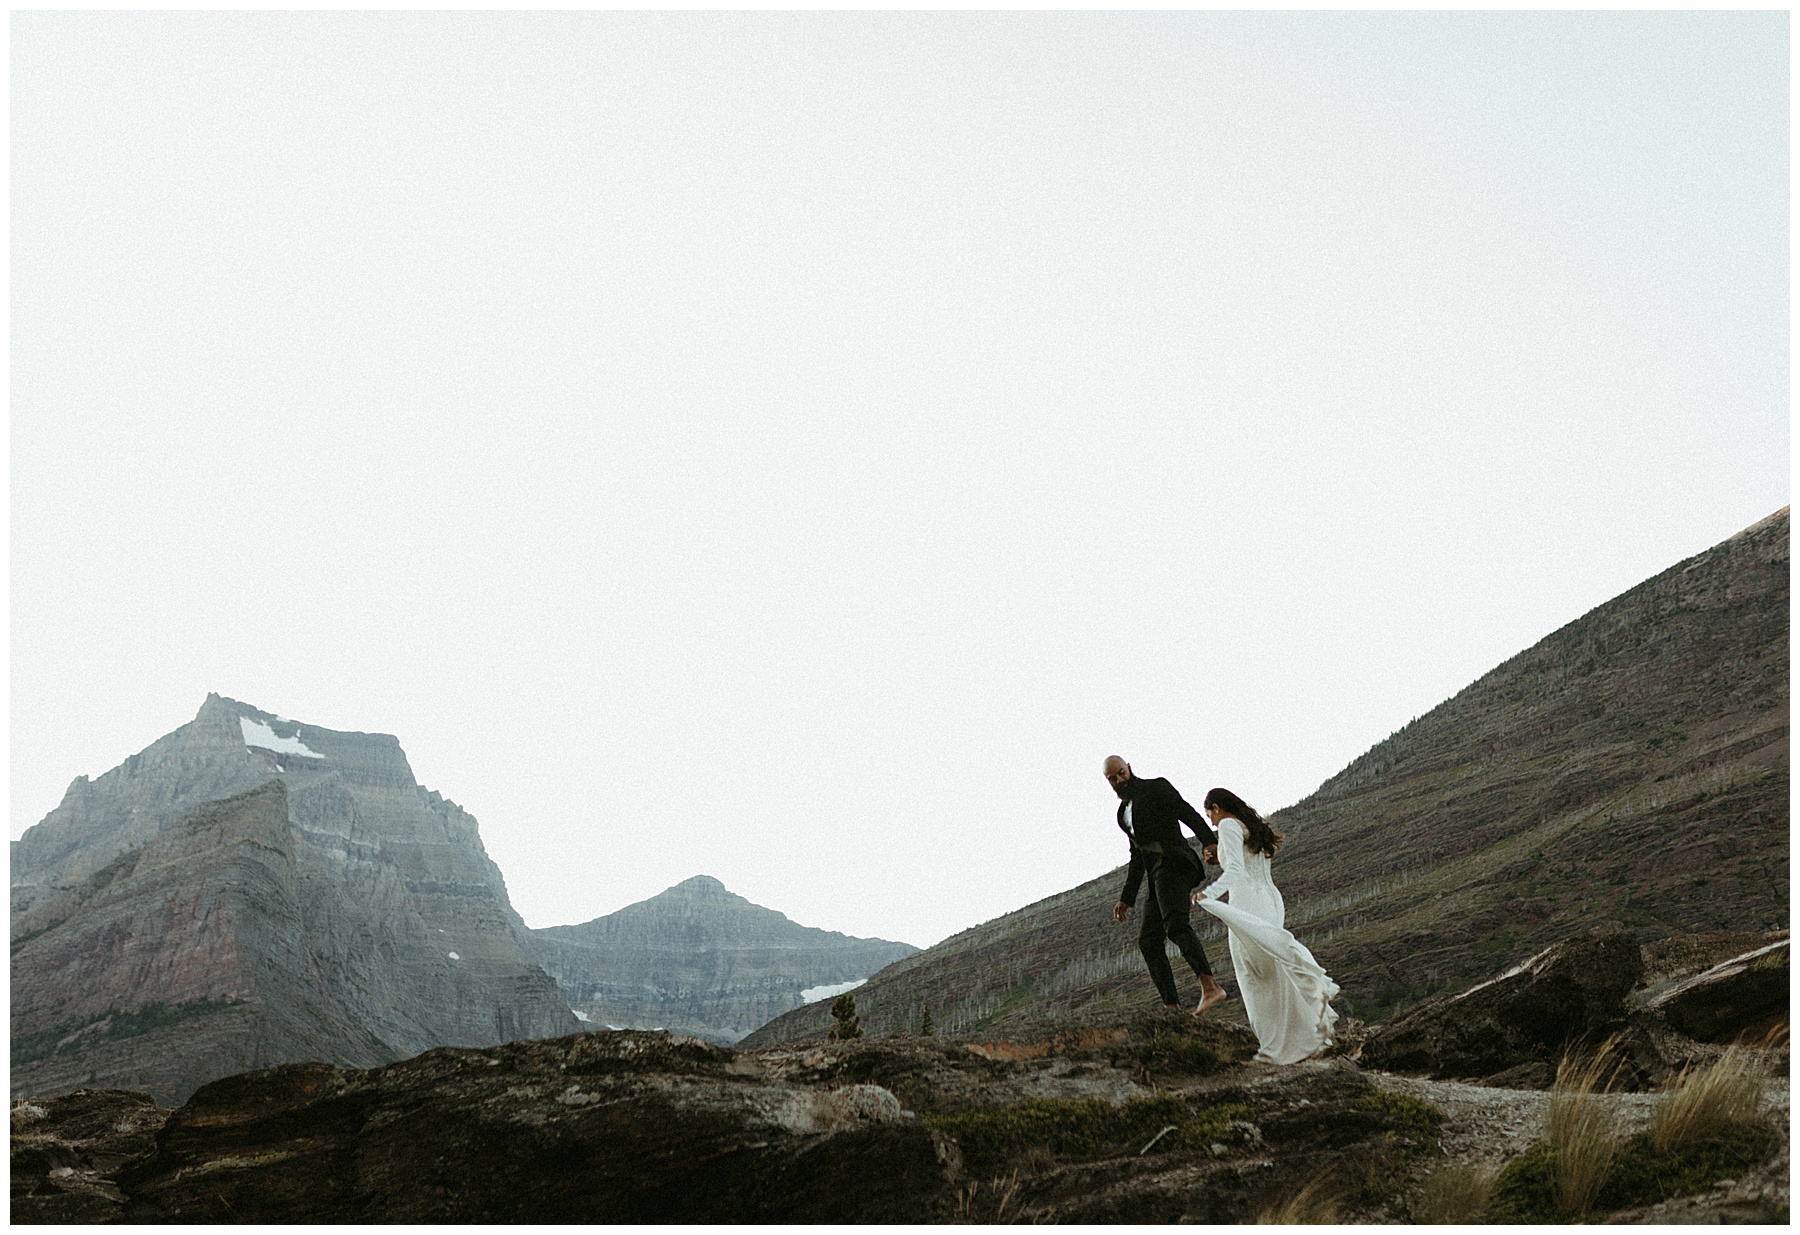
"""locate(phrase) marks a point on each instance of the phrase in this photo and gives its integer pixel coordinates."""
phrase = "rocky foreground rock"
(645, 1127)
(1577, 994)
(1516, 1024)
(1151, 1118)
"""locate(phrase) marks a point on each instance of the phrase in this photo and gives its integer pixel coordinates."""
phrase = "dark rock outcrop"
(647, 1127)
(1570, 993)
(247, 892)
(615, 1127)
(698, 959)
(66, 1152)
(1744, 997)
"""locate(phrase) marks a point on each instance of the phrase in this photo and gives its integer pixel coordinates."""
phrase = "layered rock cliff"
(700, 960)
(249, 891)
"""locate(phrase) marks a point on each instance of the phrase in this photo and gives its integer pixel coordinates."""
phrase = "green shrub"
(1412, 1117)
(1526, 1190)
(1377, 1173)
(843, 1010)
(1643, 1175)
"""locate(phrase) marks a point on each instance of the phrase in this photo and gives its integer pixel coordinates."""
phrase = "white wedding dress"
(1285, 992)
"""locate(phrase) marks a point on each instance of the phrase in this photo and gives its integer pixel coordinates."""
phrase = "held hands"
(1121, 911)
(1197, 898)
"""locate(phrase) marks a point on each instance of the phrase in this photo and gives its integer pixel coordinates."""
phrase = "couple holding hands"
(1285, 992)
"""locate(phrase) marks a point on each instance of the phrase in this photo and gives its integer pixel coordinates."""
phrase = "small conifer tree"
(925, 1022)
(843, 1008)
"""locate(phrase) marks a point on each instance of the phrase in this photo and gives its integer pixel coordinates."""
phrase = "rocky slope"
(1629, 770)
(250, 891)
(1153, 1117)
(637, 1127)
(697, 959)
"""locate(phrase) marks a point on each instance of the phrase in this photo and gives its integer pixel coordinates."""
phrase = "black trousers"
(1167, 886)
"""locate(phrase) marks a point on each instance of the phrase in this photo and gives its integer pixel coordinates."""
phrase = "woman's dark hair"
(1263, 838)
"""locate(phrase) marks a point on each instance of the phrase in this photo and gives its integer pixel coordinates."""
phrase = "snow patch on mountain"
(256, 733)
(813, 994)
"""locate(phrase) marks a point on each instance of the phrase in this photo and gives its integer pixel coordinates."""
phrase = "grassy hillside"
(1629, 769)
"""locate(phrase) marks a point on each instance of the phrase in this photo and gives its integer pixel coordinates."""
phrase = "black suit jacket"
(1157, 810)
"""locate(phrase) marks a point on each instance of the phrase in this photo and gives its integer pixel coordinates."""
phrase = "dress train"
(1286, 993)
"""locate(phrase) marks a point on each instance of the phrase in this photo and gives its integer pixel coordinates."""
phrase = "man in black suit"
(1149, 814)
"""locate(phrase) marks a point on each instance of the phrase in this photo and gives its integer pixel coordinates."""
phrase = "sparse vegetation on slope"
(1629, 770)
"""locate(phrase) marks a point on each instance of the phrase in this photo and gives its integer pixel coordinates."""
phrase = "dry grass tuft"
(1317, 1204)
(1038, 1160)
(1455, 1195)
(1705, 1101)
(1774, 1038)
(1580, 1127)
(975, 1208)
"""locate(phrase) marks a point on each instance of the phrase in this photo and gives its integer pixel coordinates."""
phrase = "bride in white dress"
(1286, 993)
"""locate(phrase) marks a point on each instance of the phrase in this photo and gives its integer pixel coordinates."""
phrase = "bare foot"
(1210, 999)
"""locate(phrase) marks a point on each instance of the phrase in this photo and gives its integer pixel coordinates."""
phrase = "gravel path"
(1488, 1126)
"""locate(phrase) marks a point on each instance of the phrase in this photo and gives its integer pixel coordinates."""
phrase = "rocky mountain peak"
(701, 886)
(700, 959)
(249, 890)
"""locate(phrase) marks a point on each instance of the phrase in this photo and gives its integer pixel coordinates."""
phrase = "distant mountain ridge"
(248, 891)
(1629, 769)
(701, 960)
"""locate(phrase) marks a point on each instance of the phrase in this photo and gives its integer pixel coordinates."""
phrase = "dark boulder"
(66, 1150)
(1069, 1126)
(615, 1128)
(1746, 996)
(1519, 1022)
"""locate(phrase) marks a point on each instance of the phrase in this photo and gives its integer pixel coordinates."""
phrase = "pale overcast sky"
(798, 447)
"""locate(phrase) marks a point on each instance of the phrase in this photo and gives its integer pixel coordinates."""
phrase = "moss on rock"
(992, 1139)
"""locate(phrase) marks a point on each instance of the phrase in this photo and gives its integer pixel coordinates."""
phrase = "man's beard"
(1123, 789)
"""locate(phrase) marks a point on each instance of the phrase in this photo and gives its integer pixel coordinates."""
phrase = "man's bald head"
(1116, 770)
